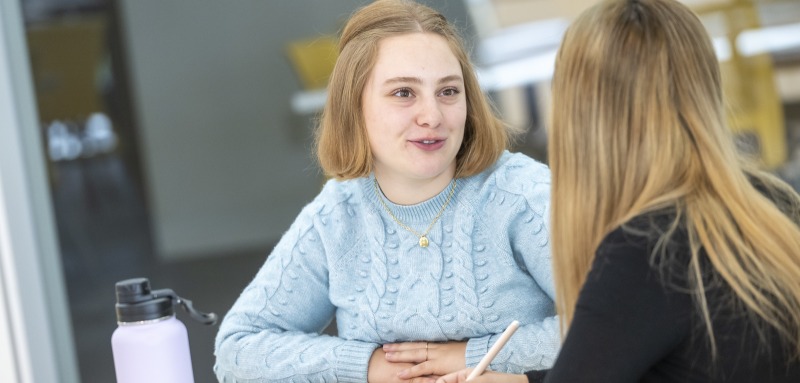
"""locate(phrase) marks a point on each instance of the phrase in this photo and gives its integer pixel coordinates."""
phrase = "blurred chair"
(313, 60)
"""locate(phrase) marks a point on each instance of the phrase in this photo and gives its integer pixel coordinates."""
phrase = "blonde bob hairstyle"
(638, 125)
(343, 148)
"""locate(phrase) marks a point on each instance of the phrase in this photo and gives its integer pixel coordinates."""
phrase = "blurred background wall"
(177, 136)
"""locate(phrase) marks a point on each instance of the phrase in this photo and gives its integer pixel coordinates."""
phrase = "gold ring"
(426, 351)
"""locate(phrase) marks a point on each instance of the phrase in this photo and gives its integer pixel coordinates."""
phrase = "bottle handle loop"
(204, 318)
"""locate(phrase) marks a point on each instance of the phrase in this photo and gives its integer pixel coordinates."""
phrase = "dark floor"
(104, 235)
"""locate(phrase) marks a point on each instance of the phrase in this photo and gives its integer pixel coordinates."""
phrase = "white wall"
(227, 164)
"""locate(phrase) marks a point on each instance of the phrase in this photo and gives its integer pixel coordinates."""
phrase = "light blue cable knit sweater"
(488, 263)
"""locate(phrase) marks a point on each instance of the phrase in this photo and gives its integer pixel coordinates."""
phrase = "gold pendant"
(423, 241)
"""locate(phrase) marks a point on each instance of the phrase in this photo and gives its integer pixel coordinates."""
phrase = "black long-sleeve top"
(635, 321)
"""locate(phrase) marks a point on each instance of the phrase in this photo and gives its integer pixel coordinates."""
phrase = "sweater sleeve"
(272, 332)
(625, 318)
(535, 345)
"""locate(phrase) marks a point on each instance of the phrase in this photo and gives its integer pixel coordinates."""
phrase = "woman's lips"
(428, 144)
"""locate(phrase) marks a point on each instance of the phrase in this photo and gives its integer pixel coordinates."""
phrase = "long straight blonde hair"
(638, 125)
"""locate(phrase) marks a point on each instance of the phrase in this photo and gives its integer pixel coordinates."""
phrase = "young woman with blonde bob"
(429, 239)
(674, 261)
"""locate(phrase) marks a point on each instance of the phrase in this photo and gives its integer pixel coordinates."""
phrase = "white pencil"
(493, 351)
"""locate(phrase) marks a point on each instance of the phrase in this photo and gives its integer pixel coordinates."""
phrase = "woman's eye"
(402, 93)
(450, 92)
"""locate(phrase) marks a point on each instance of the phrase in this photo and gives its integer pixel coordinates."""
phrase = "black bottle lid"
(136, 302)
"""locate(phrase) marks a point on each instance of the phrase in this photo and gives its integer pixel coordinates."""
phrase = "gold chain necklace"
(423, 238)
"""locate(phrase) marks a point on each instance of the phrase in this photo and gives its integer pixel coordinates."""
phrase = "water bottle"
(151, 345)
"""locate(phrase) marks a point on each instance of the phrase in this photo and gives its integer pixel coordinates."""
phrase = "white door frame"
(36, 343)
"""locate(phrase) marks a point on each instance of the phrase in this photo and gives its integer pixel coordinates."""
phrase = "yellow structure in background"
(313, 60)
(755, 107)
(65, 57)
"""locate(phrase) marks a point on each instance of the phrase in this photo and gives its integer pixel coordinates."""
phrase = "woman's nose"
(429, 114)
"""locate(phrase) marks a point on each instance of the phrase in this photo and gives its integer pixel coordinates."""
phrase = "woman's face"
(415, 108)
